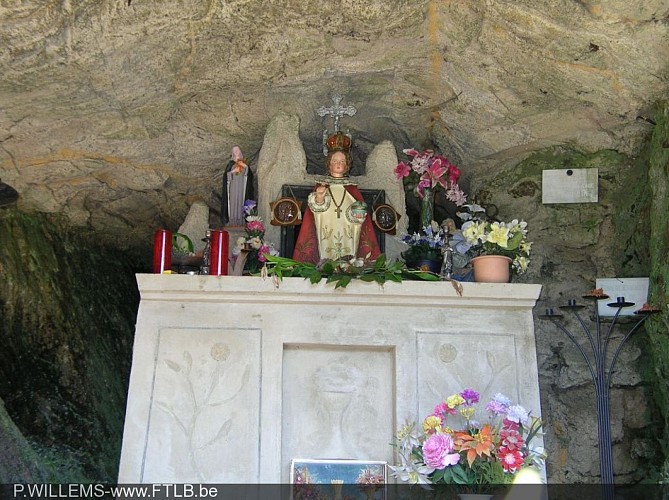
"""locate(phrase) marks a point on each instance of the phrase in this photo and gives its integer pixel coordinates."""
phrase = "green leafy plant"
(426, 244)
(342, 273)
(482, 236)
(181, 244)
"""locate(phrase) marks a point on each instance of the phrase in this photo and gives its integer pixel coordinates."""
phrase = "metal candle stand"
(599, 370)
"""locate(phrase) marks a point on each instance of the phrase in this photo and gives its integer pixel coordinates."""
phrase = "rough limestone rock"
(380, 163)
(119, 114)
(196, 224)
(281, 161)
(18, 461)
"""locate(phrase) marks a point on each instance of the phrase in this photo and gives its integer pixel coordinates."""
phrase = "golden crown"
(338, 142)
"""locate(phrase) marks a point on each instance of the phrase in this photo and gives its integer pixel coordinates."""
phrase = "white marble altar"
(232, 377)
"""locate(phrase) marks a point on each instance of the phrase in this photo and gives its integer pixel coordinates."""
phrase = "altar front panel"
(233, 377)
(206, 391)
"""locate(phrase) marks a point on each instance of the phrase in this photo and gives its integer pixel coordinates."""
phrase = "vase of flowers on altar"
(485, 240)
(253, 247)
(427, 173)
(474, 448)
(425, 248)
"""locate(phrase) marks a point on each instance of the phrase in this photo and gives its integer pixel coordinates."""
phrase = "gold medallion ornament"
(286, 212)
(385, 218)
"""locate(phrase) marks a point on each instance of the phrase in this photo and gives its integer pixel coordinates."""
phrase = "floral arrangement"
(253, 242)
(428, 170)
(427, 244)
(478, 448)
(480, 236)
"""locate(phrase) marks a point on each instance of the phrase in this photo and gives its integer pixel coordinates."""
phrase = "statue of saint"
(336, 224)
(237, 188)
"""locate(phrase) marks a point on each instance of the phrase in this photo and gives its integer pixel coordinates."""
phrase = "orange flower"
(475, 445)
(238, 167)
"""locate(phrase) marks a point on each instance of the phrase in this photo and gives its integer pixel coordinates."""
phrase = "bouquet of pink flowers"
(428, 170)
(253, 242)
(461, 444)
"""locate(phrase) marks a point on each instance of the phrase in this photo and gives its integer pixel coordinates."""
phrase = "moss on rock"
(624, 234)
(68, 308)
(658, 326)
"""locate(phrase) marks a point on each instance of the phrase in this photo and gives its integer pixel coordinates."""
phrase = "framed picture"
(338, 479)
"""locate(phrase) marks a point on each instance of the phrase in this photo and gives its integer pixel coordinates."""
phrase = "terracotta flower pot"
(492, 268)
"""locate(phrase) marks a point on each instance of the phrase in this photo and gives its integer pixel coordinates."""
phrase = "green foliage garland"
(341, 273)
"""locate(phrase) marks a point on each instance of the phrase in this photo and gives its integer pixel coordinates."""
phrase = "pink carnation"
(442, 409)
(453, 173)
(510, 424)
(511, 439)
(255, 225)
(437, 451)
(511, 460)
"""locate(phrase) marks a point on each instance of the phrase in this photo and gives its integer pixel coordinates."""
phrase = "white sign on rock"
(577, 185)
(634, 290)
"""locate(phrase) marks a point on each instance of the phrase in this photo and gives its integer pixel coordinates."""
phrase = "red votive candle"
(162, 251)
(218, 251)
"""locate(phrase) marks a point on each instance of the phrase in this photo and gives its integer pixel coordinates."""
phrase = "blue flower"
(459, 243)
(249, 207)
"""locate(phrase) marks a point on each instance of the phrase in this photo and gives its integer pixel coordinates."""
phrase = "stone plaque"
(577, 185)
(631, 289)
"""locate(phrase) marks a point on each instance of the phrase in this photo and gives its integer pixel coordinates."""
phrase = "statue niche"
(282, 172)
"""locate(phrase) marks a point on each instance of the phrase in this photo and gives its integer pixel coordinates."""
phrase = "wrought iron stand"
(601, 368)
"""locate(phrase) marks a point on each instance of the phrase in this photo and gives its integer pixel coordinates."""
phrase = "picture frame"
(339, 478)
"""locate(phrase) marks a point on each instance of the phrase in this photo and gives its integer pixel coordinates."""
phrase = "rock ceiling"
(120, 113)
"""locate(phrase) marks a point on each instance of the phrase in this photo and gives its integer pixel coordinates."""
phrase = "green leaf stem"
(342, 273)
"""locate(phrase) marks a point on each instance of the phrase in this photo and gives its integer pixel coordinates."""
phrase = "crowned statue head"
(338, 160)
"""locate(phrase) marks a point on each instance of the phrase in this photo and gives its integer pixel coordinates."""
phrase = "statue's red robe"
(306, 247)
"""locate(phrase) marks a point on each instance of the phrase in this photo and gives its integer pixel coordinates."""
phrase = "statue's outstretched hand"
(320, 191)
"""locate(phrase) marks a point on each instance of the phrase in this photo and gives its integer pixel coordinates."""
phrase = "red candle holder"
(162, 251)
(218, 251)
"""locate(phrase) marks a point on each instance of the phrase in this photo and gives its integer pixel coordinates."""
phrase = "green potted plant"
(481, 237)
(425, 248)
